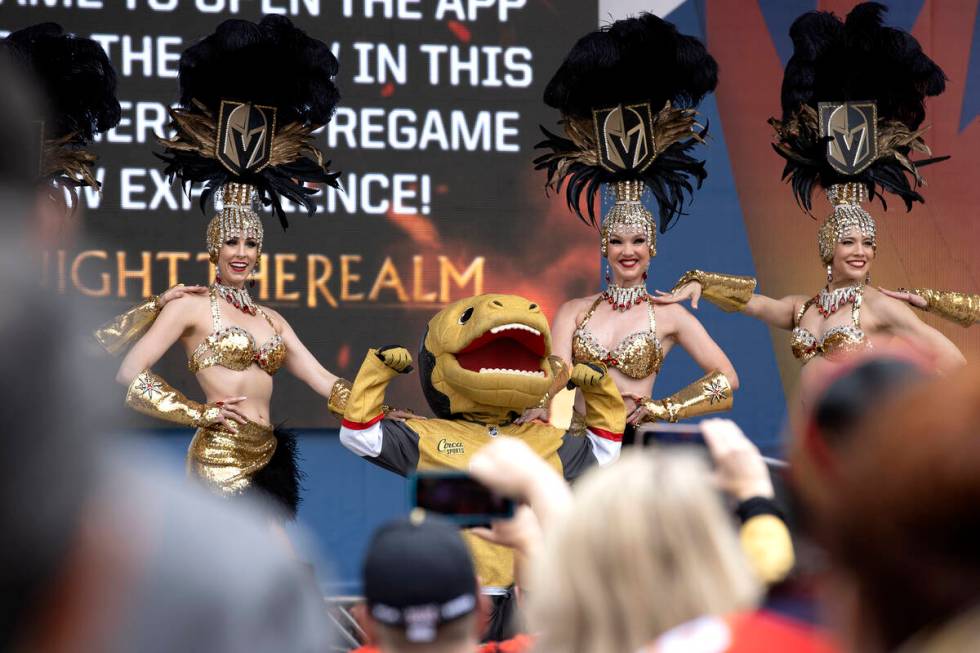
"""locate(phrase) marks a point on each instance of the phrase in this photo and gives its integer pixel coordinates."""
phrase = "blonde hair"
(648, 546)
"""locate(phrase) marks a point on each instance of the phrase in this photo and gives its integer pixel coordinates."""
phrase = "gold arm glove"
(366, 396)
(959, 307)
(712, 393)
(151, 395)
(768, 547)
(604, 407)
(729, 292)
(560, 375)
(339, 395)
(118, 333)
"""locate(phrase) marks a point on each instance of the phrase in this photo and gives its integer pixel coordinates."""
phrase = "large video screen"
(434, 135)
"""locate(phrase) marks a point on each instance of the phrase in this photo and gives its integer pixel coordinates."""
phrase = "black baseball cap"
(418, 574)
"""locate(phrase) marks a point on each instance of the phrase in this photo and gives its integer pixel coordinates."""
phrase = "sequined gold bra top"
(234, 347)
(837, 340)
(637, 356)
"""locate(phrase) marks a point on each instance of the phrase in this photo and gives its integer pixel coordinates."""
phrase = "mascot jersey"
(483, 360)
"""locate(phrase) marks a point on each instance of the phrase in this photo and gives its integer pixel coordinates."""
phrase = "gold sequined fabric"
(836, 341)
(712, 393)
(959, 307)
(637, 356)
(339, 394)
(234, 348)
(118, 333)
(227, 461)
(729, 292)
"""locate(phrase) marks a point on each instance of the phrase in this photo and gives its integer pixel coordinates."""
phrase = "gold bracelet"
(339, 394)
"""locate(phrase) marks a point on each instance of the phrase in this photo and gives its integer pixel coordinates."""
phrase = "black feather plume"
(637, 60)
(269, 63)
(853, 60)
(75, 76)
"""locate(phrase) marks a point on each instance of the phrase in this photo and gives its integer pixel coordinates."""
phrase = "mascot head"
(485, 357)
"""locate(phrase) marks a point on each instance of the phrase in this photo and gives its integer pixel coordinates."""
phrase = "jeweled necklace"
(237, 297)
(623, 299)
(829, 301)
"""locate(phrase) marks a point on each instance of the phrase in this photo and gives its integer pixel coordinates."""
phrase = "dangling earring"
(608, 271)
(867, 279)
(830, 274)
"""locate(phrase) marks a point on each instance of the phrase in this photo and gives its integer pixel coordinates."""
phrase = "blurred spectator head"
(901, 525)
(420, 587)
(838, 404)
(648, 546)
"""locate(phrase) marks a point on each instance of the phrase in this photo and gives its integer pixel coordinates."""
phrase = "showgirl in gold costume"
(853, 103)
(245, 132)
(627, 94)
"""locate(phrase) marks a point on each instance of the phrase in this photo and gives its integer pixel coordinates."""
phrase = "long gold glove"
(151, 395)
(116, 334)
(729, 292)
(712, 393)
(560, 375)
(959, 307)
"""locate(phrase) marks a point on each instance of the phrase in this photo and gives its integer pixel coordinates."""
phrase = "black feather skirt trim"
(281, 479)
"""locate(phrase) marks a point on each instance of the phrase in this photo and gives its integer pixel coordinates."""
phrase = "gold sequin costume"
(227, 460)
(836, 341)
(638, 355)
(234, 348)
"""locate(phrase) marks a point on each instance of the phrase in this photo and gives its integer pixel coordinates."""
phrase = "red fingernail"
(219, 403)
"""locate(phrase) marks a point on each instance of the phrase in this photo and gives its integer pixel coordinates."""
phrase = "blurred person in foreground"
(643, 546)
(421, 591)
(103, 550)
(896, 513)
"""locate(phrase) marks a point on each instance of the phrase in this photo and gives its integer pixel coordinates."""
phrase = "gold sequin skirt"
(227, 461)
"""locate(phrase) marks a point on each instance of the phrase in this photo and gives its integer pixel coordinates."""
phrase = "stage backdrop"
(441, 102)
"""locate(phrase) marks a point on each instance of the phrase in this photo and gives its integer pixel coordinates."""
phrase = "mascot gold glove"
(604, 408)
(366, 397)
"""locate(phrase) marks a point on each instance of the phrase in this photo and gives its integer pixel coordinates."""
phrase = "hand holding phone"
(459, 497)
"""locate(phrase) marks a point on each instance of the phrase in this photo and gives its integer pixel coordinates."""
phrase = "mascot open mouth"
(513, 348)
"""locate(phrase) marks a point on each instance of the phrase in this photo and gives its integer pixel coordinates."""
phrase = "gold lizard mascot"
(482, 362)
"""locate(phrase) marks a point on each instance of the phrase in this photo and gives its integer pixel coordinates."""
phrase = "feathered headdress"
(853, 105)
(251, 96)
(79, 86)
(627, 94)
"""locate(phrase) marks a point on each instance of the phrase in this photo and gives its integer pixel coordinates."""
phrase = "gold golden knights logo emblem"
(245, 133)
(624, 137)
(853, 131)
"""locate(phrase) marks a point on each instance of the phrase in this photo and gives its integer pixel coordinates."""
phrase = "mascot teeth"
(515, 325)
(494, 370)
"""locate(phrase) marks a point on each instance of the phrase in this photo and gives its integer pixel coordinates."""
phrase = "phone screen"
(460, 497)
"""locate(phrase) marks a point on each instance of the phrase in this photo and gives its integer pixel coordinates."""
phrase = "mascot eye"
(465, 317)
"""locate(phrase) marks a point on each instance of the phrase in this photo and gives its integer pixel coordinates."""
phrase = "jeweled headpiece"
(853, 104)
(251, 96)
(627, 94)
(78, 84)
(237, 216)
(848, 216)
(628, 216)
